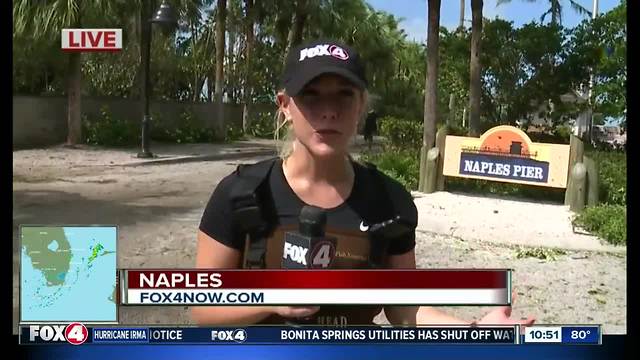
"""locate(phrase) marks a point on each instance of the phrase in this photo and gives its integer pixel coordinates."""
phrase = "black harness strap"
(249, 215)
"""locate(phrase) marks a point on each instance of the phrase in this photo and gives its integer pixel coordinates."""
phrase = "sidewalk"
(88, 156)
(514, 222)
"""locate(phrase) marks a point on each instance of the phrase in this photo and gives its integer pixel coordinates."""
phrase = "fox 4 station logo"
(237, 335)
(74, 334)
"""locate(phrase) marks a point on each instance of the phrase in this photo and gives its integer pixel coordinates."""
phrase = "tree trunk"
(431, 94)
(74, 95)
(431, 89)
(198, 89)
(221, 12)
(556, 12)
(295, 32)
(475, 85)
(248, 89)
(197, 82)
(461, 25)
(145, 53)
(231, 64)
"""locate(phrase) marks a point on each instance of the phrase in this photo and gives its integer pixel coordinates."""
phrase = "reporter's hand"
(296, 311)
(502, 316)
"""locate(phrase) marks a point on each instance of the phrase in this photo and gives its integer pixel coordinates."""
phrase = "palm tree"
(45, 19)
(461, 23)
(198, 47)
(221, 13)
(297, 28)
(431, 86)
(475, 85)
(248, 90)
(555, 9)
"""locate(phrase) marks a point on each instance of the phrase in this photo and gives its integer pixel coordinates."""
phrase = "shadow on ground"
(60, 207)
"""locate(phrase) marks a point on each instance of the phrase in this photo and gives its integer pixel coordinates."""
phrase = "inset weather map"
(68, 274)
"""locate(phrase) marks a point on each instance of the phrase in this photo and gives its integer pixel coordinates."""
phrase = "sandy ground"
(158, 207)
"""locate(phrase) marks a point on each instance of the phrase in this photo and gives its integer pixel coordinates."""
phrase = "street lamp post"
(165, 17)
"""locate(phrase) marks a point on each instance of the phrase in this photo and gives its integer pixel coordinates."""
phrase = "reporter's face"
(325, 114)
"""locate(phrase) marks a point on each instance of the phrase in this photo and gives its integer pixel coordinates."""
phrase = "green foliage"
(609, 222)
(107, 75)
(400, 156)
(105, 130)
(39, 65)
(233, 133)
(539, 253)
(402, 165)
(262, 125)
(531, 192)
(522, 68)
(401, 133)
(602, 44)
(557, 135)
(612, 175)
(37, 69)
(188, 130)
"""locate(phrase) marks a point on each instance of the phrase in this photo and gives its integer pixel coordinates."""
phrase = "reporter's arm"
(213, 254)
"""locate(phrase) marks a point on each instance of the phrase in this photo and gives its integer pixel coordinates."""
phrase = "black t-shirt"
(349, 220)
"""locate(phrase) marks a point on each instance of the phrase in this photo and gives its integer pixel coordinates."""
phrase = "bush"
(609, 222)
(401, 133)
(612, 174)
(262, 125)
(188, 131)
(107, 131)
(233, 133)
(477, 186)
(558, 136)
(401, 165)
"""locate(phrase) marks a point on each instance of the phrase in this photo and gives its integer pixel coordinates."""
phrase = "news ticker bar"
(315, 287)
(78, 334)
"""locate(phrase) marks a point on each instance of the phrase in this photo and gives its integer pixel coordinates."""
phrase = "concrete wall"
(41, 121)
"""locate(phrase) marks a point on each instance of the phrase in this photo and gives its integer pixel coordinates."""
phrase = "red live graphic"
(92, 39)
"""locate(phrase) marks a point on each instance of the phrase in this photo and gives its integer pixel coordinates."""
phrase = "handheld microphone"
(309, 247)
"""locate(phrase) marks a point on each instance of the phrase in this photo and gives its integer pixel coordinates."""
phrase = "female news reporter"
(323, 97)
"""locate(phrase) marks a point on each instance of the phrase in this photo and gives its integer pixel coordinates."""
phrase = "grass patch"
(608, 222)
(539, 253)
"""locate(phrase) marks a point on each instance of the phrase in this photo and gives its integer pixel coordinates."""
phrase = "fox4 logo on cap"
(74, 333)
(296, 253)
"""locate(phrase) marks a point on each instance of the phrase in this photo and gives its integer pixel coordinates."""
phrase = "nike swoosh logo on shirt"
(363, 227)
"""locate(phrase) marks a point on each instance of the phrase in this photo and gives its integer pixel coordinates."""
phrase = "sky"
(414, 13)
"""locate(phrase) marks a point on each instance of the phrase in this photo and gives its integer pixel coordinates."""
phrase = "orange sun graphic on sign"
(505, 141)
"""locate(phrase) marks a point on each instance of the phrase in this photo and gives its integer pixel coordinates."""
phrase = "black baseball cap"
(312, 59)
